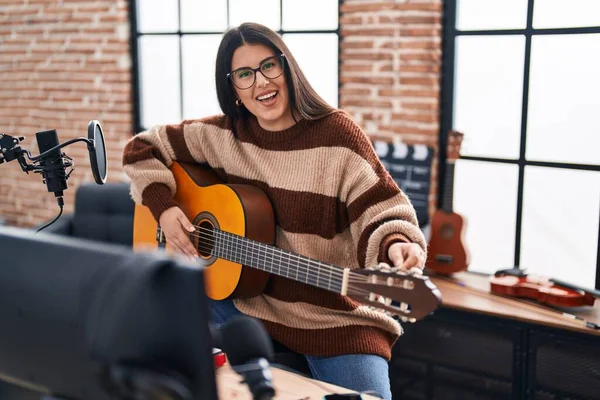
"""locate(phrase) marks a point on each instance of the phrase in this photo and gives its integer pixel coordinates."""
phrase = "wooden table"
(288, 386)
(484, 346)
(471, 292)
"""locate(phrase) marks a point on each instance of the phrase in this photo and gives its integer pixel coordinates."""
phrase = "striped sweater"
(333, 201)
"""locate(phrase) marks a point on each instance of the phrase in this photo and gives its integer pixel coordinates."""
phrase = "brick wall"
(390, 69)
(62, 63)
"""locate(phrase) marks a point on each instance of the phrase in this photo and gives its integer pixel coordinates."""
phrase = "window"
(175, 45)
(520, 80)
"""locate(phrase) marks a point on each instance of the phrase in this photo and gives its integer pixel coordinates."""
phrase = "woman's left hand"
(406, 255)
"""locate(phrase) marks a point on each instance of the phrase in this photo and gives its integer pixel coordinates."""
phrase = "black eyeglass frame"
(255, 70)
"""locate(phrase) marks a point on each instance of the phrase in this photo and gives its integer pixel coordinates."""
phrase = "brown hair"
(304, 101)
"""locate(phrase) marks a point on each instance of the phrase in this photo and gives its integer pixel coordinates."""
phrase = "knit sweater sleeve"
(148, 156)
(380, 214)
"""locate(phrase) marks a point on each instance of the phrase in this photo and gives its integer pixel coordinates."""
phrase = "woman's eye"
(267, 65)
(243, 74)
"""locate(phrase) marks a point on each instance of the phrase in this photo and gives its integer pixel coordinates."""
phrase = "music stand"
(83, 320)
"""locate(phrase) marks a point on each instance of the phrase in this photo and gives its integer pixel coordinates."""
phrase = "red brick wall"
(62, 63)
(390, 71)
(65, 62)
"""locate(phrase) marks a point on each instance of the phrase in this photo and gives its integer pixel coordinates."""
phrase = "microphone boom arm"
(90, 145)
(18, 153)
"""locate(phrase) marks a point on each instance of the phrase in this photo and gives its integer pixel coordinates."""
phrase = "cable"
(61, 203)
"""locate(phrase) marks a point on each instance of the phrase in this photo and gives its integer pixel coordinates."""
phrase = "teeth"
(267, 96)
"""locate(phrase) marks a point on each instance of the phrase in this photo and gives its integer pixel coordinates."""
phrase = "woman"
(333, 201)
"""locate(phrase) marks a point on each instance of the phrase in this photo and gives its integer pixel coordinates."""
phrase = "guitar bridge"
(444, 258)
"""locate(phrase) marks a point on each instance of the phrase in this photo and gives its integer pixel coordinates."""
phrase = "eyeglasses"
(245, 77)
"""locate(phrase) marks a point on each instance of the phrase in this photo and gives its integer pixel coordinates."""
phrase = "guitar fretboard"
(280, 262)
(448, 194)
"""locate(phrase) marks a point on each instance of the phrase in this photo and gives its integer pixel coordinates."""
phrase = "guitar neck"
(447, 200)
(279, 262)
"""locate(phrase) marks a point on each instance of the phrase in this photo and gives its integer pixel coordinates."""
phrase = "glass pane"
(561, 210)
(562, 122)
(158, 15)
(317, 55)
(566, 14)
(199, 90)
(203, 16)
(474, 15)
(159, 80)
(485, 194)
(266, 13)
(488, 94)
(301, 15)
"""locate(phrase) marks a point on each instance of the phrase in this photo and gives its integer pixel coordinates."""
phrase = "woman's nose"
(261, 80)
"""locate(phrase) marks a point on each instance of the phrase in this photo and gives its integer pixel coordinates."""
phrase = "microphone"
(52, 162)
(53, 165)
(249, 350)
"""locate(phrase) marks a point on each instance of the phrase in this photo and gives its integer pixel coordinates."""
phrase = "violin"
(515, 282)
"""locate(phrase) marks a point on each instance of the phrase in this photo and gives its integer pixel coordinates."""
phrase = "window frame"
(449, 35)
(135, 35)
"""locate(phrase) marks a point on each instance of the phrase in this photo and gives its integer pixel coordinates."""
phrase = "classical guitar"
(448, 252)
(234, 236)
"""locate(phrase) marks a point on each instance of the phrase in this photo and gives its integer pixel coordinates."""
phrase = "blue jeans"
(359, 372)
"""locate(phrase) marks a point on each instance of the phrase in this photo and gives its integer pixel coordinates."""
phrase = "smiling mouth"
(267, 97)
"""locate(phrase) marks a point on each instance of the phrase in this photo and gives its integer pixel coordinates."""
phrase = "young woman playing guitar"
(331, 198)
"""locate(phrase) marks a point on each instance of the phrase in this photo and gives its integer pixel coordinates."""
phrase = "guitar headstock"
(409, 297)
(455, 139)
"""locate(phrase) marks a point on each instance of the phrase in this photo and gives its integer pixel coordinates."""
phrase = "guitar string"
(208, 234)
(353, 290)
(353, 277)
(249, 245)
(284, 272)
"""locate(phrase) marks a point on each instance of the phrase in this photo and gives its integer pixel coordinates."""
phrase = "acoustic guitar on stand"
(448, 252)
(234, 236)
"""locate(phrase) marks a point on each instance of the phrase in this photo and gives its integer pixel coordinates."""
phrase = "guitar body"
(209, 204)
(447, 250)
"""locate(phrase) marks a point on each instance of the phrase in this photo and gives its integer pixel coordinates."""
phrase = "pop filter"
(97, 152)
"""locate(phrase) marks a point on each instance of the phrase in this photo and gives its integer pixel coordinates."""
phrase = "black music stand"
(82, 320)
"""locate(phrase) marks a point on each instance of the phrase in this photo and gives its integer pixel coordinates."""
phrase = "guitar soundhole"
(205, 242)
(204, 238)
(447, 231)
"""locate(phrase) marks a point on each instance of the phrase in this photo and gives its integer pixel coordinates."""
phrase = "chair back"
(104, 213)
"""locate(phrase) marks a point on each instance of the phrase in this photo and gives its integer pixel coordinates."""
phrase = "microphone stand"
(10, 150)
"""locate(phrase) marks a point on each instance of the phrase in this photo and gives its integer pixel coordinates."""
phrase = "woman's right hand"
(176, 228)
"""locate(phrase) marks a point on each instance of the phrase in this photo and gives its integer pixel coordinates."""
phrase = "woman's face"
(267, 98)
